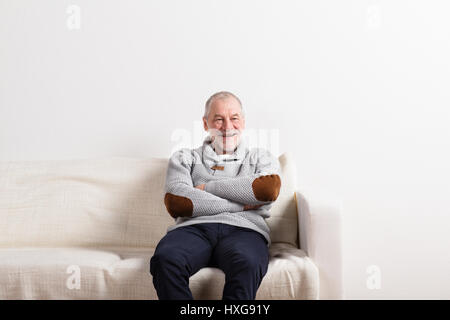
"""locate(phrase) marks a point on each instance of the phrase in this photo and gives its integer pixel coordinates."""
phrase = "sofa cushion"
(123, 273)
(93, 202)
(113, 201)
(291, 275)
(283, 215)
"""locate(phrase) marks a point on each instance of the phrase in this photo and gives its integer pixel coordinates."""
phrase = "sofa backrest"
(104, 202)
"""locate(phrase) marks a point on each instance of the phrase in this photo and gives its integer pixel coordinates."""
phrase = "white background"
(357, 90)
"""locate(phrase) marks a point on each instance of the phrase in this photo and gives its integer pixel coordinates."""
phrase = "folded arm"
(183, 200)
(262, 187)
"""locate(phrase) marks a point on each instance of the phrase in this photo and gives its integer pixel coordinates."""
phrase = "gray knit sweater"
(248, 177)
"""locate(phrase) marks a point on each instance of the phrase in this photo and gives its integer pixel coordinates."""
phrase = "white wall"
(357, 90)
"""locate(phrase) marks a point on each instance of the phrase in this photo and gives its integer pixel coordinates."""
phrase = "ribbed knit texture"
(226, 191)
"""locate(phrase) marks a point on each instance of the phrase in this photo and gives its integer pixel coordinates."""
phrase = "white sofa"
(87, 228)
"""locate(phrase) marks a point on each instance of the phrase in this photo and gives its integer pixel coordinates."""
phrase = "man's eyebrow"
(218, 115)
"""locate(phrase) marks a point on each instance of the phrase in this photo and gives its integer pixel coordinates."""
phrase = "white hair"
(220, 95)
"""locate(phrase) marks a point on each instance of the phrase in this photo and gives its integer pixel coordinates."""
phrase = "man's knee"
(165, 261)
(251, 263)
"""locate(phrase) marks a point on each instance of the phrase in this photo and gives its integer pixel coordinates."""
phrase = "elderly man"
(219, 195)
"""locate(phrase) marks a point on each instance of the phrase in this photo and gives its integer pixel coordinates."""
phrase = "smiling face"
(225, 124)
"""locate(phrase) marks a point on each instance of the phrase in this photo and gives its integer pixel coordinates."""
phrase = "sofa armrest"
(320, 236)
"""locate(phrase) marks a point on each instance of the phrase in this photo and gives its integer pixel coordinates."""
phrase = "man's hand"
(201, 187)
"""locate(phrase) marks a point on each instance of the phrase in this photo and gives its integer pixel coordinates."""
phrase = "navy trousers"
(241, 253)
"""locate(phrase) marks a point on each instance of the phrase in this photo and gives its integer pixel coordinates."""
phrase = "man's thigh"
(242, 246)
(188, 247)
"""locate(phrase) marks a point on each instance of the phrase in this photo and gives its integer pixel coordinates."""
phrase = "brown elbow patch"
(178, 206)
(267, 188)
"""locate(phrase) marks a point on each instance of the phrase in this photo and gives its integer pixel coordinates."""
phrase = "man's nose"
(228, 125)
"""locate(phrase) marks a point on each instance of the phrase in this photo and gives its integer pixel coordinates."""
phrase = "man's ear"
(205, 124)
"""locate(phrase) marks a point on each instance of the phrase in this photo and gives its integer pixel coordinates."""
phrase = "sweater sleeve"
(182, 199)
(262, 187)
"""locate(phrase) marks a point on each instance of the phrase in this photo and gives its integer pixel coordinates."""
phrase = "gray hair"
(220, 95)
